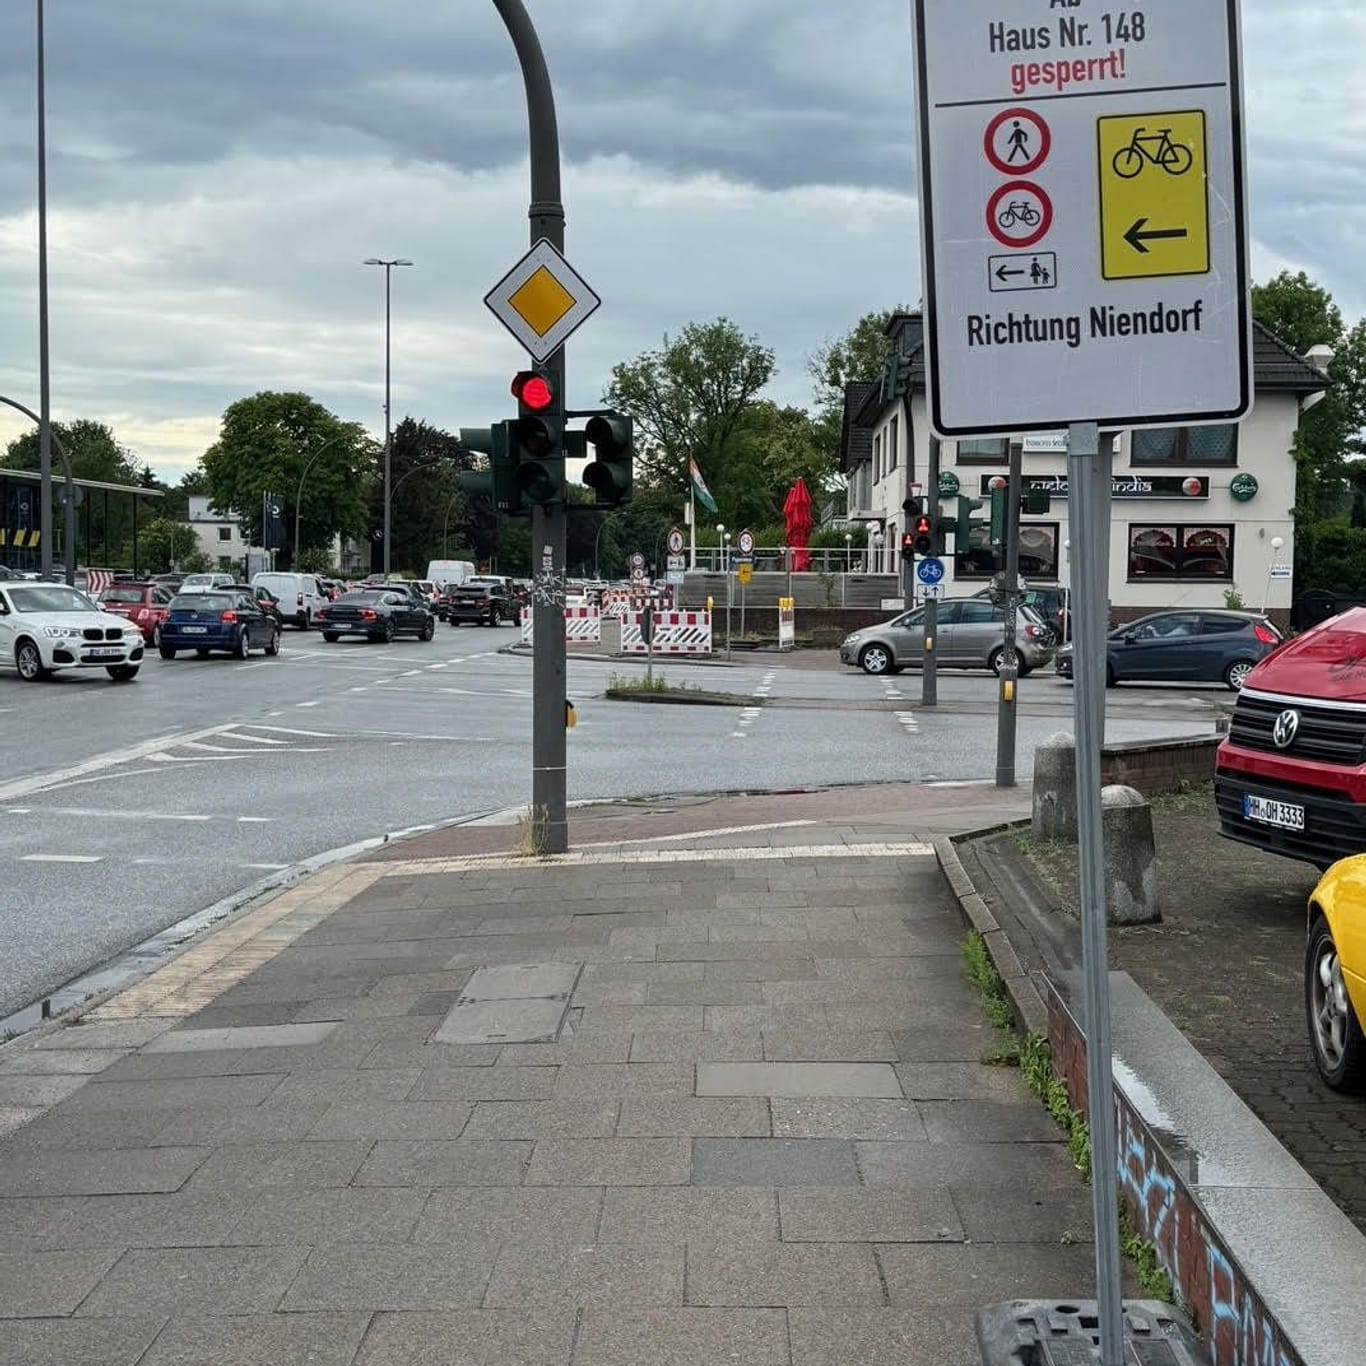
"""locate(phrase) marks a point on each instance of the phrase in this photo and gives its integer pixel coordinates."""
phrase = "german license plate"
(1285, 815)
(103, 652)
(196, 630)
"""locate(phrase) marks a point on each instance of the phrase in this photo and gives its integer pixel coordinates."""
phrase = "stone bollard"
(1130, 858)
(1055, 789)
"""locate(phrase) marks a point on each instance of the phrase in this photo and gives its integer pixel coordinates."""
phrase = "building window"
(994, 452)
(1038, 553)
(877, 457)
(1185, 446)
(1180, 552)
(894, 452)
(225, 533)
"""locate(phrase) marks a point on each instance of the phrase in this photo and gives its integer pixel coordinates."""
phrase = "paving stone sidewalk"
(699, 1101)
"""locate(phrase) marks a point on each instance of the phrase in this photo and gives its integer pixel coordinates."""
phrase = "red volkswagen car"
(144, 604)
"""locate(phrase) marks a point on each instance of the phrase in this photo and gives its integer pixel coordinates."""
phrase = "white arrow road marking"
(62, 858)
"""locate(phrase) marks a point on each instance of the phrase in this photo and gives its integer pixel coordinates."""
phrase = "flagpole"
(692, 525)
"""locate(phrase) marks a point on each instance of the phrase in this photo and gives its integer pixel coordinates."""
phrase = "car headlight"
(60, 632)
(854, 639)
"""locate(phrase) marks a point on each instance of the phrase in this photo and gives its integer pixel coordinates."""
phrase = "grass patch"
(531, 825)
(1035, 1060)
(621, 683)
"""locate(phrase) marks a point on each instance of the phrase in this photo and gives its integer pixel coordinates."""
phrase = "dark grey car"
(1198, 646)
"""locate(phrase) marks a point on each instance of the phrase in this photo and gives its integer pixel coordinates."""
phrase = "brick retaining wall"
(1159, 766)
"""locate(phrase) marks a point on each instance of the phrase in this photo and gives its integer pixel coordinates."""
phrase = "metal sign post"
(1009, 680)
(1084, 226)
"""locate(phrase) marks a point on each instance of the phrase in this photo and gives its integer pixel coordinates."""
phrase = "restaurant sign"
(1122, 486)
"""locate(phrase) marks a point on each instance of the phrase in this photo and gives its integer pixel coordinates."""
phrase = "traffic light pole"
(549, 817)
(929, 670)
(1010, 662)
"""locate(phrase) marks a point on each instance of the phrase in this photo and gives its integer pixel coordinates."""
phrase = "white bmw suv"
(48, 626)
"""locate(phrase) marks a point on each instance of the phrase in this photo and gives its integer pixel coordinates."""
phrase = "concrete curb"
(1025, 997)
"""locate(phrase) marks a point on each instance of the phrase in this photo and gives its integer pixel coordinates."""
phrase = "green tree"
(164, 545)
(429, 516)
(689, 399)
(94, 450)
(271, 440)
(859, 355)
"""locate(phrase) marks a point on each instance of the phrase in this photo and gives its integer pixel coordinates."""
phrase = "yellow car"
(1335, 974)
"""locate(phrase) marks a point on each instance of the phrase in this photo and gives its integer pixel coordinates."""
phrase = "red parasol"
(797, 516)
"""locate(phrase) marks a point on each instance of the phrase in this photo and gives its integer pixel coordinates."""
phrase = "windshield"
(202, 602)
(49, 598)
(373, 596)
(121, 595)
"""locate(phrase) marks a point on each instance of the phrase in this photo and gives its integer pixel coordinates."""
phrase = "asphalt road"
(124, 809)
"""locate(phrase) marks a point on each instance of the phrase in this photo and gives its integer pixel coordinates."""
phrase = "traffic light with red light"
(536, 438)
(908, 545)
(923, 534)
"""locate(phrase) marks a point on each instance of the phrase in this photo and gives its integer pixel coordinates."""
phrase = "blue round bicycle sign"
(930, 571)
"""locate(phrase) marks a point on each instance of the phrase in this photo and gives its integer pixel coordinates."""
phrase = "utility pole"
(1009, 682)
(548, 734)
(44, 360)
(388, 425)
(929, 669)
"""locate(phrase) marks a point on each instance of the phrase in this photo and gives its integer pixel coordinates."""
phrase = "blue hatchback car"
(232, 621)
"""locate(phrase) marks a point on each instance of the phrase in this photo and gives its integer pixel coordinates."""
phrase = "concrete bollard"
(1130, 857)
(1055, 789)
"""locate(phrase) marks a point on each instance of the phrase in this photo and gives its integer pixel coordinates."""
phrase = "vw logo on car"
(1285, 729)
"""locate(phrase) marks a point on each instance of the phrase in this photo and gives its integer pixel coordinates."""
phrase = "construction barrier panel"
(618, 602)
(676, 633)
(787, 624)
(582, 626)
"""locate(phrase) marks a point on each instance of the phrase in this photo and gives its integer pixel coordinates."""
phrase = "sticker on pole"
(542, 301)
(1083, 215)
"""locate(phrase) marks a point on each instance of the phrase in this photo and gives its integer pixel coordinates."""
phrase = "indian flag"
(699, 487)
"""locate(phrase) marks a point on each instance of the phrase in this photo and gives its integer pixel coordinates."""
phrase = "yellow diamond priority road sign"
(542, 301)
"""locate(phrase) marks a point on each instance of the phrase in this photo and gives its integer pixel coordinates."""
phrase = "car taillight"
(1265, 634)
(1032, 632)
(366, 614)
(229, 616)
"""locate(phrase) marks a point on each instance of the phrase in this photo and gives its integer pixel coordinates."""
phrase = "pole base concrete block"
(1130, 857)
(1055, 789)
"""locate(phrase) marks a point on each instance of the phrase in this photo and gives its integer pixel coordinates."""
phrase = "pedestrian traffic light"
(493, 481)
(923, 531)
(1000, 512)
(913, 508)
(608, 474)
(962, 530)
(537, 452)
(1036, 502)
(908, 545)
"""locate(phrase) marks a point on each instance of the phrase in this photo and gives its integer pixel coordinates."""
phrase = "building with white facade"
(219, 536)
(1199, 513)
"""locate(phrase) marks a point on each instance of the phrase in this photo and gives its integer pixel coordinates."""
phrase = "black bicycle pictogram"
(1018, 211)
(1157, 148)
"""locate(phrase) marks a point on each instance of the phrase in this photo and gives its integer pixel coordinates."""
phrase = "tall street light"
(388, 433)
(299, 494)
(44, 372)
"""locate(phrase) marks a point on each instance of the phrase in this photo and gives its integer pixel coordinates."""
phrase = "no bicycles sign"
(1083, 213)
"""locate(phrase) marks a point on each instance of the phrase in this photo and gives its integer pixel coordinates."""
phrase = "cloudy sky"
(219, 169)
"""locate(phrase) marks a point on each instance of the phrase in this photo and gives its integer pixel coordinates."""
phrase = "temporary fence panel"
(582, 626)
(619, 602)
(675, 633)
(787, 625)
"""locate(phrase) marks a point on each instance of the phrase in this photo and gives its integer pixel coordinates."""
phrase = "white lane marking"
(410, 673)
(17, 810)
(254, 739)
(98, 813)
(268, 867)
(23, 787)
(215, 749)
(294, 730)
(62, 858)
(230, 758)
(909, 721)
(254, 820)
(306, 704)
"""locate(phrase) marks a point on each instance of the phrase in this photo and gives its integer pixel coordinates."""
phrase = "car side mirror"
(1130, 638)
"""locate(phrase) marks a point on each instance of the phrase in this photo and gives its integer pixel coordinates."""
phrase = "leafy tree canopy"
(94, 450)
(269, 443)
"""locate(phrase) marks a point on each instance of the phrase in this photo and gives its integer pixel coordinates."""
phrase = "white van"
(449, 573)
(299, 595)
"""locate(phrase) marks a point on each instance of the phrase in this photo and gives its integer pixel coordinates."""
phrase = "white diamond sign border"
(586, 302)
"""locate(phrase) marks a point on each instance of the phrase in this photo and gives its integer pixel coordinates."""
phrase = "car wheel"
(996, 660)
(1334, 1031)
(331, 637)
(165, 652)
(156, 636)
(28, 660)
(1236, 674)
(242, 645)
(273, 644)
(875, 659)
(429, 628)
(387, 635)
(123, 673)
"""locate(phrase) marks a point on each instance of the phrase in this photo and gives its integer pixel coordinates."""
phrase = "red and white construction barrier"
(676, 633)
(620, 602)
(582, 626)
(97, 580)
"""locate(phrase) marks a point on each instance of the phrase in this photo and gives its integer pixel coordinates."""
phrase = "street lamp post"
(299, 494)
(44, 367)
(446, 522)
(1277, 544)
(388, 433)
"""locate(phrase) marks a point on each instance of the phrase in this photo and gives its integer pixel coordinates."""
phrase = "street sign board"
(637, 560)
(1083, 215)
(676, 577)
(542, 301)
(933, 590)
(930, 570)
(675, 541)
(744, 543)
(745, 572)
(675, 564)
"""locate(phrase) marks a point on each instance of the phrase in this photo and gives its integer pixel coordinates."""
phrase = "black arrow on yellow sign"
(1140, 235)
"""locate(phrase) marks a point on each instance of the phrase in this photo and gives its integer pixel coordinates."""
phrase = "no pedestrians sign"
(1083, 213)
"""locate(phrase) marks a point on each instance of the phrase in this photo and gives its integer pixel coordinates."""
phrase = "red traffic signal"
(533, 391)
(923, 526)
(923, 537)
(907, 546)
